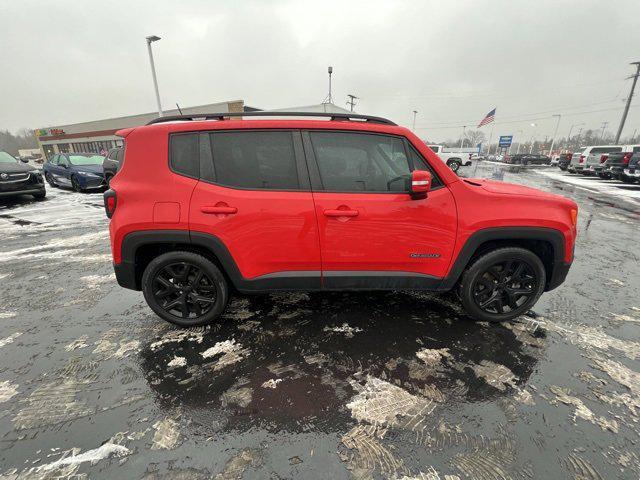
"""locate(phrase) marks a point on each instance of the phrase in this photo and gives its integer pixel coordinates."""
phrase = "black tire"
(40, 195)
(626, 179)
(454, 165)
(50, 180)
(107, 180)
(490, 281)
(195, 295)
(75, 185)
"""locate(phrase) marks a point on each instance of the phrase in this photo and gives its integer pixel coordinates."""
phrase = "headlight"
(89, 174)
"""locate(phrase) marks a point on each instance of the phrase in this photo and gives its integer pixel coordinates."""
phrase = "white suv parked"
(586, 162)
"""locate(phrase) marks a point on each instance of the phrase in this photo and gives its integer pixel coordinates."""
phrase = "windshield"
(86, 159)
(7, 158)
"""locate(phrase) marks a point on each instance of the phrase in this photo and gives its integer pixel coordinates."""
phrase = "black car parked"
(565, 160)
(632, 171)
(528, 159)
(616, 163)
(111, 163)
(18, 178)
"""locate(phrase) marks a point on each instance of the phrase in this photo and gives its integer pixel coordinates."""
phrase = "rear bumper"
(126, 275)
(560, 271)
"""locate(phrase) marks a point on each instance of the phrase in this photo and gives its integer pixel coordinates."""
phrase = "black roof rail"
(222, 116)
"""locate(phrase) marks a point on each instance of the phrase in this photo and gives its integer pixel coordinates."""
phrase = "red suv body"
(201, 207)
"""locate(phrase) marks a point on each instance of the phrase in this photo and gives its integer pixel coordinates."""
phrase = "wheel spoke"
(197, 279)
(166, 283)
(493, 298)
(184, 308)
(517, 273)
(200, 298)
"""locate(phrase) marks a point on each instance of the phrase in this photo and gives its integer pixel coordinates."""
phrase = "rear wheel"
(454, 165)
(40, 195)
(185, 288)
(502, 284)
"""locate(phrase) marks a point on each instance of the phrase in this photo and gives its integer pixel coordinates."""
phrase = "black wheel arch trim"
(312, 280)
(553, 236)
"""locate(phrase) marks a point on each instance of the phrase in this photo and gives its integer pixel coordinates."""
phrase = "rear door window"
(253, 160)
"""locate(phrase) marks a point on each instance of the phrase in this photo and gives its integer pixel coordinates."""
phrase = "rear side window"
(184, 154)
(359, 162)
(254, 160)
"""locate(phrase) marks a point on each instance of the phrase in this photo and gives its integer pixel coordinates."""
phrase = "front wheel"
(502, 284)
(454, 165)
(75, 185)
(50, 180)
(185, 288)
(40, 195)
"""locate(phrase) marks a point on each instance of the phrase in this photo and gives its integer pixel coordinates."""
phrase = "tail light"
(603, 158)
(626, 158)
(581, 158)
(574, 217)
(110, 202)
(569, 156)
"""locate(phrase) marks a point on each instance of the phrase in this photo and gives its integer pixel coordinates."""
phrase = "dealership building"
(99, 135)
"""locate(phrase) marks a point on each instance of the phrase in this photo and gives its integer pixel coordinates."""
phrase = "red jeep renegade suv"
(208, 204)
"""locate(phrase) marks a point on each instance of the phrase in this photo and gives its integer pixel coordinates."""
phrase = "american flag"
(490, 117)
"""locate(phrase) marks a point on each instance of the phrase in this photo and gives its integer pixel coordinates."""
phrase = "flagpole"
(489, 143)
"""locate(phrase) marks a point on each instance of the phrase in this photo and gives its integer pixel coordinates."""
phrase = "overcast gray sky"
(453, 61)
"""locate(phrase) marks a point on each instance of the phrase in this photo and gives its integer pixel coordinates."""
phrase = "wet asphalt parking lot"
(319, 385)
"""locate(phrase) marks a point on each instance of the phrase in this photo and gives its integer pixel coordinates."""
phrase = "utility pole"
(352, 101)
(554, 134)
(519, 141)
(633, 137)
(626, 108)
(604, 126)
(532, 135)
(462, 138)
(413, 128)
(150, 40)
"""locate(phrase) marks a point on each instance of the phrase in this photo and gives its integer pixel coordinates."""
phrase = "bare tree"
(474, 137)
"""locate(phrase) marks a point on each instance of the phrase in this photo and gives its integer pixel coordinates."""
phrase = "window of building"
(255, 160)
(359, 162)
(184, 154)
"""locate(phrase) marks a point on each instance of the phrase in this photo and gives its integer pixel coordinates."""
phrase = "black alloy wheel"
(185, 288)
(75, 185)
(505, 286)
(502, 284)
(454, 165)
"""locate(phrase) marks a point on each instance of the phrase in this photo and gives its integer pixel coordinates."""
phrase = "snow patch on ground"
(231, 352)
(104, 451)
(167, 435)
(581, 410)
(345, 328)
(433, 356)
(177, 362)
(8, 314)
(381, 403)
(496, 375)
(272, 383)
(177, 336)
(7, 391)
(80, 342)
(9, 339)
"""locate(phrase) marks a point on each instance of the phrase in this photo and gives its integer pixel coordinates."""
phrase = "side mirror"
(420, 184)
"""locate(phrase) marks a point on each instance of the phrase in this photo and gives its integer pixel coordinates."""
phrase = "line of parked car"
(620, 162)
(81, 171)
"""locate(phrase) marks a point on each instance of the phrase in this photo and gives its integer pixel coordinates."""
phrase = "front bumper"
(26, 191)
(89, 183)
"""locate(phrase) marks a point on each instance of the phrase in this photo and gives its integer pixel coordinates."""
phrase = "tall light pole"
(571, 130)
(554, 134)
(462, 138)
(519, 141)
(413, 128)
(532, 135)
(626, 108)
(150, 40)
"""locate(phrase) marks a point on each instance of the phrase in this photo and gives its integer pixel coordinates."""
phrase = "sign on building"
(505, 141)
